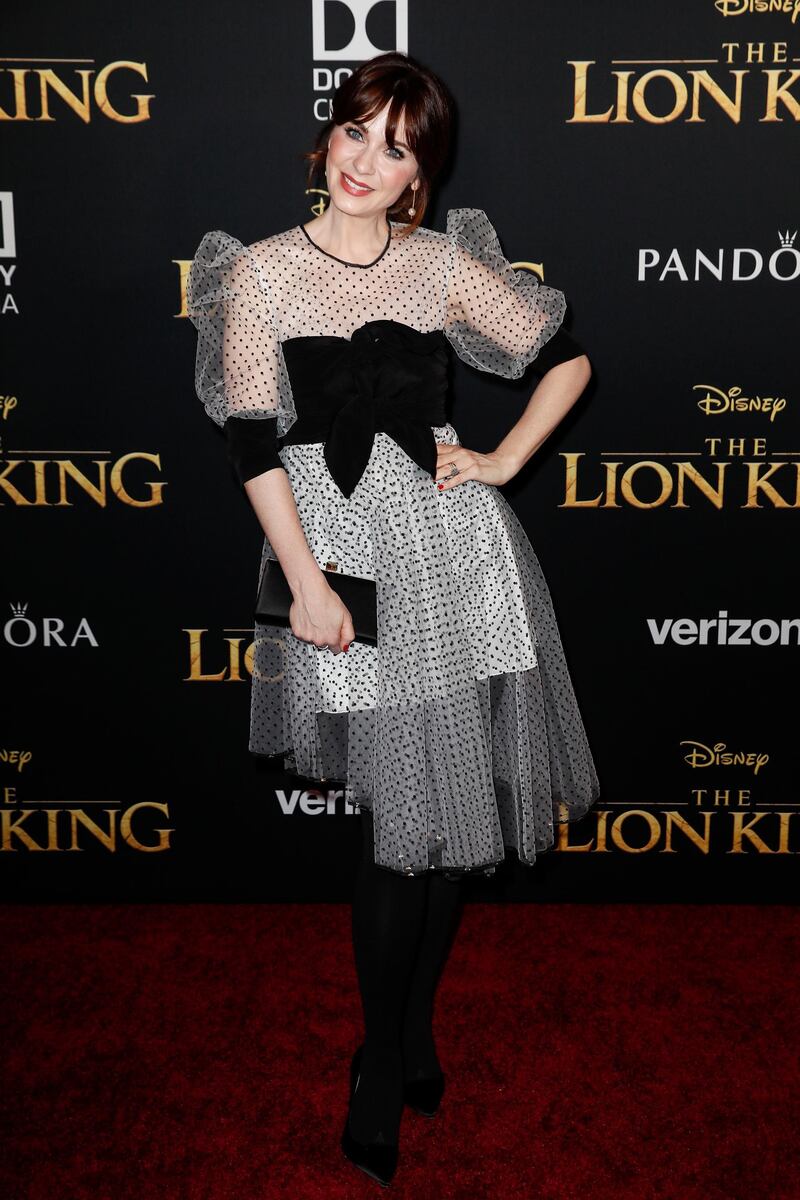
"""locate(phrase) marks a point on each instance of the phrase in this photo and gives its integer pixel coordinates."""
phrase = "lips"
(356, 183)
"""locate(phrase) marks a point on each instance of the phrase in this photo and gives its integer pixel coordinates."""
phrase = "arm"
(317, 614)
(503, 321)
(242, 380)
(551, 400)
(253, 453)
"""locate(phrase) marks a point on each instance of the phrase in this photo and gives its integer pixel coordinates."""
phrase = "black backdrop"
(131, 556)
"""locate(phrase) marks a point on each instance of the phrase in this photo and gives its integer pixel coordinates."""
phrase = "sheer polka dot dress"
(460, 730)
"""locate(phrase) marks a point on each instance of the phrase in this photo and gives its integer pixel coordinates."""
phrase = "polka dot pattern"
(245, 300)
(460, 730)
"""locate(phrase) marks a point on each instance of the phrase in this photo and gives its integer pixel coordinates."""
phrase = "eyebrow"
(361, 125)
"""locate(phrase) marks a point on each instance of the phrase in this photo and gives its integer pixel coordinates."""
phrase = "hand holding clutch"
(357, 594)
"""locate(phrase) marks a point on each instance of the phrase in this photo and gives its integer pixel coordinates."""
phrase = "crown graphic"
(18, 609)
(787, 239)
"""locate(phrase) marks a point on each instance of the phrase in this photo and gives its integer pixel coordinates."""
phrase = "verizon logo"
(313, 803)
(723, 630)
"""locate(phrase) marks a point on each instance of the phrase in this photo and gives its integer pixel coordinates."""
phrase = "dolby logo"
(723, 630)
(344, 31)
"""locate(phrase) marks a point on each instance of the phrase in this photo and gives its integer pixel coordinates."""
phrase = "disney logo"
(717, 756)
(736, 8)
(717, 401)
(16, 758)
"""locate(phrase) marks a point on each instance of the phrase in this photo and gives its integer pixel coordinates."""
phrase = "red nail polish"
(440, 486)
(347, 647)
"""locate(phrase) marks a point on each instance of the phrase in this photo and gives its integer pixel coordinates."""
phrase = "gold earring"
(412, 210)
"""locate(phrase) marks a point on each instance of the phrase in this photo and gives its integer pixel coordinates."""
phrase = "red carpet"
(592, 1051)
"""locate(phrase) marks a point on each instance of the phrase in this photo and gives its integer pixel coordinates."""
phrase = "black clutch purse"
(357, 594)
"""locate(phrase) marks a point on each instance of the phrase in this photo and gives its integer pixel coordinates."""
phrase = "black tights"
(403, 928)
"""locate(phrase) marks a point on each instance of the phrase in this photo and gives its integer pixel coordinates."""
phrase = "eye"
(393, 150)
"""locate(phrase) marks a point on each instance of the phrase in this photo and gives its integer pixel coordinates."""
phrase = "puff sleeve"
(240, 372)
(496, 319)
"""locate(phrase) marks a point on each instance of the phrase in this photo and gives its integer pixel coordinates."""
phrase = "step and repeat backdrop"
(643, 160)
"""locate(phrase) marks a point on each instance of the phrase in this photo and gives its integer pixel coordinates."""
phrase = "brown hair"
(410, 89)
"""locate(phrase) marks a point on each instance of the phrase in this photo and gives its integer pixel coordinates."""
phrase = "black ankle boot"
(378, 1159)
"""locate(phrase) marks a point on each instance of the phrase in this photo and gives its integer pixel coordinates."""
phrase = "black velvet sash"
(388, 377)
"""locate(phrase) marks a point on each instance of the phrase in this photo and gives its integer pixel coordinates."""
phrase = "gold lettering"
(195, 656)
(20, 99)
(581, 86)
(49, 79)
(626, 485)
(96, 491)
(743, 828)
(126, 828)
(757, 482)
(78, 102)
(66, 468)
(678, 821)
(571, 482)
(234, 658)
(687, 470)
(11, 825)
(104, 104)
(563, 843)
(777, 93)
(778, 83)
(678, 87)
(618, 838)
(783, 833)
(79, 817)
(156, 488)
(183, 265)
(15, 495)
(732, 108)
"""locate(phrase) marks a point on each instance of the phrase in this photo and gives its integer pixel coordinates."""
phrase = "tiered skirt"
(460, 730)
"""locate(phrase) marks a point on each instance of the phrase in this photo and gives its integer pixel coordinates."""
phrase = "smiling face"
(358, 155)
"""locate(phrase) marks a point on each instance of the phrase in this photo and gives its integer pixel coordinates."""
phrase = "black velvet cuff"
(252, 446)
(560, 348)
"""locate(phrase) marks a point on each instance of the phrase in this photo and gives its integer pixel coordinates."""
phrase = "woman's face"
(358, 154)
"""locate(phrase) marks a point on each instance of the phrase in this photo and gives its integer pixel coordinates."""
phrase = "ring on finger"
(455, 470)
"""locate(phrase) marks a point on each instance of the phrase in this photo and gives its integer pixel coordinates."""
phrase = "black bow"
(400, 382)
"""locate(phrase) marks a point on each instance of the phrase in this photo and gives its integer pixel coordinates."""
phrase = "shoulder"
(276, 250)
(456, 221)
(220, 246)
(274, 243)
(425, 246)
(471, 228)
(468, 233)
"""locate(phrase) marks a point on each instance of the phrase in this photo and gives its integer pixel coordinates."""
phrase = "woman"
(459, 734)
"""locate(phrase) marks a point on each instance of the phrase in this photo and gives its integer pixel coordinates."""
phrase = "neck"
(358, 239)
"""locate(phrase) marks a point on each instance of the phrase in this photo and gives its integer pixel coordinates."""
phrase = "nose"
(363, 162)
